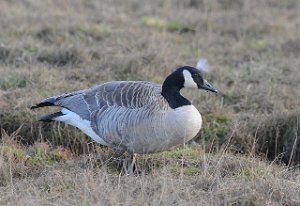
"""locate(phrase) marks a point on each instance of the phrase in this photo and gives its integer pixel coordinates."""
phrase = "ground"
(247, 152)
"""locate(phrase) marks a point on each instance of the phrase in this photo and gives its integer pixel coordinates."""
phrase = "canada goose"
(134, 116)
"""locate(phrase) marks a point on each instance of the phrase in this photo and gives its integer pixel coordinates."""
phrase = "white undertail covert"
(75, 120)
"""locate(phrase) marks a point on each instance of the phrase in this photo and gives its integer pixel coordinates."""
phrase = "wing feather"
(132, 94)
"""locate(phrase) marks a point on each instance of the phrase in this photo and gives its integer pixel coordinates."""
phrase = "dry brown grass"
(250, 132)
(220, 179)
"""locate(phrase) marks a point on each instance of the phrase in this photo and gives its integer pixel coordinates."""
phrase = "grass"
(163, 25)
(248, 148)
(13, 83)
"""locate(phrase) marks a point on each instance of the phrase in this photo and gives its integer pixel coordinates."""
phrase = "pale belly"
(164, 131)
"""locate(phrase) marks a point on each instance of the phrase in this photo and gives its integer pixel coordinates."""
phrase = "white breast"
(186, 121)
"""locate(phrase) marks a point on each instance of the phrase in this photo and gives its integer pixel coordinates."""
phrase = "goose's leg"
(127, 158)
(128, 164)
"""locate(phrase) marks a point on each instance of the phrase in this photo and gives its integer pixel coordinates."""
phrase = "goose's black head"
(183, 77)
(187, 77)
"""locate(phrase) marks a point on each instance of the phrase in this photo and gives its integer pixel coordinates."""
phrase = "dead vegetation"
(275, 137)
(248, 152)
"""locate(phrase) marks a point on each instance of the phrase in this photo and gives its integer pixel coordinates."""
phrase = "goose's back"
(126, 94)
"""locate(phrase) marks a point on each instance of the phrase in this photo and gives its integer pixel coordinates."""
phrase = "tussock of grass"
(215, 131)
(50, 35)
(28, 132)
(290, 47)
(62, 57)
(13, 82)
(12, 122)
(12, 55)
(17, 161)
(276, 136)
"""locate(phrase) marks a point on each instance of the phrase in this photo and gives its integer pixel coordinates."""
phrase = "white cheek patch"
(188, 80)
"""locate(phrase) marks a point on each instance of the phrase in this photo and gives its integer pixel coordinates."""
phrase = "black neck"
(170, 92)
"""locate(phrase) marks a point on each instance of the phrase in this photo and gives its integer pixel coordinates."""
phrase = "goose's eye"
(195, 75)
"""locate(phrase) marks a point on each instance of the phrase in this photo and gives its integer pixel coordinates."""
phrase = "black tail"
(47, 102)
(50, 117)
